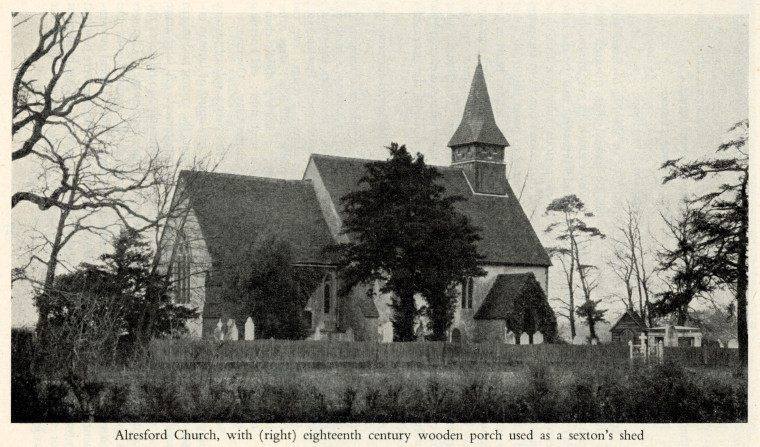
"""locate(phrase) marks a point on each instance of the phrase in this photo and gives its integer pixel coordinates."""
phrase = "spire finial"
(478, 58)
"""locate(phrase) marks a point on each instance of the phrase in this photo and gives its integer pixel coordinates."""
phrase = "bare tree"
(49, 101)
(629, 261)
(85, 177)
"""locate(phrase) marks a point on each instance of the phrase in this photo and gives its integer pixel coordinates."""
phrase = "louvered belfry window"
(182, 270)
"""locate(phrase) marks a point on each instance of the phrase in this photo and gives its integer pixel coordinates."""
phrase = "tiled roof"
(234, 210)
(507, 236)
(478, 124)
(500, 301)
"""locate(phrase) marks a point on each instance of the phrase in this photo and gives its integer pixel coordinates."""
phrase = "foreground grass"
(466, 393)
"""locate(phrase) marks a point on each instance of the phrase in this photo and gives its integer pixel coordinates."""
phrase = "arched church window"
(327, 294)
(467, 292)
(182, 269)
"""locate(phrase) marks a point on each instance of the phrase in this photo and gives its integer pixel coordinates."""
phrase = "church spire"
(477, 146)
(478, 124)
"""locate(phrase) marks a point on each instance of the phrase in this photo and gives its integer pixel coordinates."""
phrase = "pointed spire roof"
(478, 124)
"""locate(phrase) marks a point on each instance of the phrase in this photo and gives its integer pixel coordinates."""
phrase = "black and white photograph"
(341, 218)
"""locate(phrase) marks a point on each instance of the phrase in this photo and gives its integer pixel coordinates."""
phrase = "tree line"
(703, 252)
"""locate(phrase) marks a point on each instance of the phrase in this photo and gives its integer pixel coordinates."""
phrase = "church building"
(226, 211)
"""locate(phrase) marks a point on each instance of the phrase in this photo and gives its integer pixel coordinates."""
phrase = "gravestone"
(579, 340)
(524, 338)
(218, 331)
(733, 344)
(538, 338)
(232, 331)
(509, 338)
(250, 329)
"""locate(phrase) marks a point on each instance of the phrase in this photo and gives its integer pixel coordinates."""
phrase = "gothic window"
(467, 291)
(182, 270)
(327, 294)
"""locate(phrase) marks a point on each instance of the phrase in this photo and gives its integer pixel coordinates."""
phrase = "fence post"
(660, 352)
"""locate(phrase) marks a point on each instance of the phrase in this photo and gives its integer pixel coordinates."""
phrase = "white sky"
(591, 104)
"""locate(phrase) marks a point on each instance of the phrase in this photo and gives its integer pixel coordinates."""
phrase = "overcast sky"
(591, 104)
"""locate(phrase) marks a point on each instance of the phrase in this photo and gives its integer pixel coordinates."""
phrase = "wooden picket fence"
(425, 353)
(333, 352)
(706, 356)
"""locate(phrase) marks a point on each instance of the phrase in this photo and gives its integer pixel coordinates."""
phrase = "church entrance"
(456, 336)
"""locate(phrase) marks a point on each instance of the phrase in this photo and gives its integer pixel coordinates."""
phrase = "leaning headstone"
(579, 340)
(232, 331)
(524, 338)
(733, 344)
(720, 344)
(510, 338)
(249, 329)
(538, 338)
(218, 331)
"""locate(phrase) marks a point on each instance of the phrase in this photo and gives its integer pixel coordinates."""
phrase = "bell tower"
(478, 145)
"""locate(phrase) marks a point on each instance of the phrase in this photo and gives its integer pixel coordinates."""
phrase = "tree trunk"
(55, 250)
(741, 280)
(404, 314)
(592, 327)
(571, 317)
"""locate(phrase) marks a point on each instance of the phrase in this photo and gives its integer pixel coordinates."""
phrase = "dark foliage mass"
(532, 313)
(713, 249)
(406, 233)
(111, 299)
(260, 281)
(97, 315)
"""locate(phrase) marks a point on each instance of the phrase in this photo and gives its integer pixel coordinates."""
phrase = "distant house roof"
(234, 210)
(507, 236)
(500, 301)
(633, 316)
(478, 124)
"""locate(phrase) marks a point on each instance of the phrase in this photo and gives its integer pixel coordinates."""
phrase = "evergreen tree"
(260, 281)
(723, 216)
(406, 233)
(120, 288)
(574, 233)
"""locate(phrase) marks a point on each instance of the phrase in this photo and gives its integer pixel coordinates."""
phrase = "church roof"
(478, 124)
(507, 236)
(234, 210)
(500, 301)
